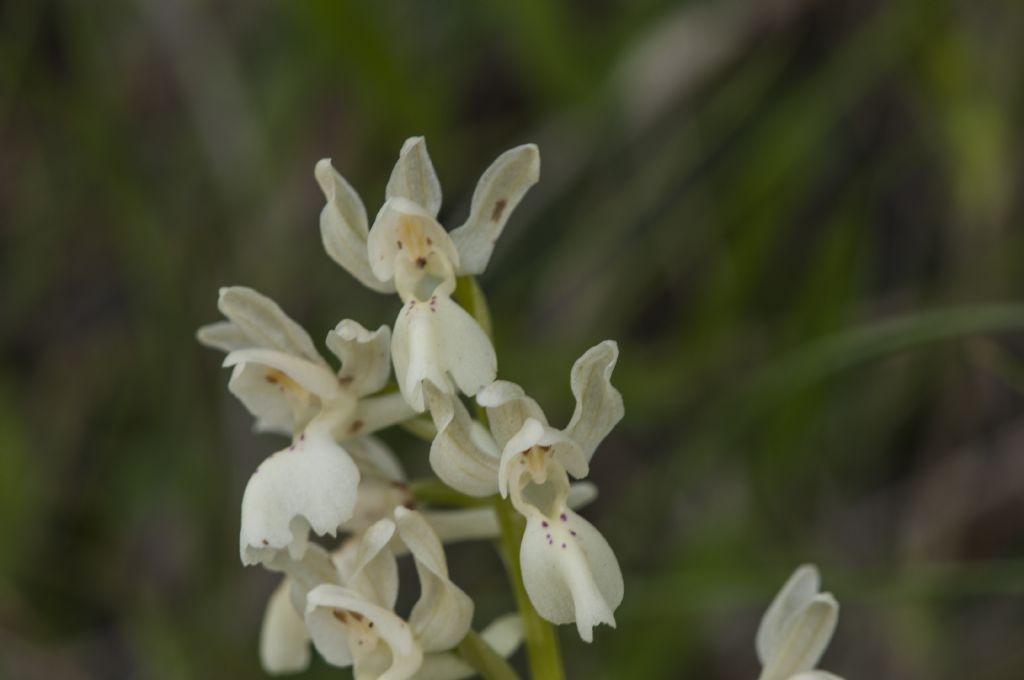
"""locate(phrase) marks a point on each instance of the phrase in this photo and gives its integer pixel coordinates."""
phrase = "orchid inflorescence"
(335, 475)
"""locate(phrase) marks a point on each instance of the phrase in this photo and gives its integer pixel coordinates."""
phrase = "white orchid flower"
(796, 629)
(355, 624)
(408, 251)
(285, 641)
(290, 388)
(569, 570)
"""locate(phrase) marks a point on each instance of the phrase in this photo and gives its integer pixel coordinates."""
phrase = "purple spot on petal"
(572, 532)
(563, 517)
(563, 546)
(544, 524)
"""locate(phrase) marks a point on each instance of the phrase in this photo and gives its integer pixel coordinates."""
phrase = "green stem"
(475, 651)
(542, 648)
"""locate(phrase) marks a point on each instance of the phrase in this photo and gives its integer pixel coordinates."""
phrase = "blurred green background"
(801, 221)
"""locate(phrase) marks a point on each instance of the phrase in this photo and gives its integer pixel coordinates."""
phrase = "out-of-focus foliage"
(800, 219)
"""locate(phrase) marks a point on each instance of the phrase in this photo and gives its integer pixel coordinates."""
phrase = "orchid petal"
(598, 403)
(797, 592)
(414, 177)
(276, 410)
(443, 613)
(581, 494)
(284, 641)
(365, 356)
(462, 454)
(374, 572)
(310, 376)
(508, 407)
(314, 480)
(807, 636)
(504, 634)
(264, 322)
(570, 572)
(497, 194)
(284, 392)
(343, 227)
(223, 335)
(435, 339)
(331, 624)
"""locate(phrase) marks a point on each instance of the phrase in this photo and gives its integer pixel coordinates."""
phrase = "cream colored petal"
(504, 634)
(282, 391)
(468, 354)
(581, 494)
(499, 191)
(374, 571)
(508, 407)
(415, 352)
(346, 558)
(312, 377)
(365, 356)
(570, 572)
(223, 335)
(532, 434)
(443, 613)
(598, 404)
(261, 320)
(461, 453)
(284, 641)
(404, 229)
(816, 675)
(799, 589)
(806, 637)
(375, 459)
(332, 637)
(343, 227)
(414, 177)
(276, 410)
(314, 479)
(437, 339)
